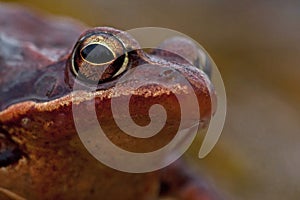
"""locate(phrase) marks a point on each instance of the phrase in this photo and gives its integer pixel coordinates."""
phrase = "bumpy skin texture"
(36, 116)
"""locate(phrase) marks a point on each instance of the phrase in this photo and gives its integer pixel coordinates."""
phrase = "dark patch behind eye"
(97, 53)
(9, 151)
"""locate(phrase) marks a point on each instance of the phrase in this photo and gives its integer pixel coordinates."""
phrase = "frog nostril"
(9, 151)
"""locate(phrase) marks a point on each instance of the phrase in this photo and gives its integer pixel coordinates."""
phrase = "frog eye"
(99, 57)
(9, 152)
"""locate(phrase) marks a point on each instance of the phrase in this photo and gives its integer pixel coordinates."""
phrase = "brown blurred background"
(256, 45)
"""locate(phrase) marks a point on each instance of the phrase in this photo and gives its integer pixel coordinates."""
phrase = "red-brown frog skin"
(41, 155)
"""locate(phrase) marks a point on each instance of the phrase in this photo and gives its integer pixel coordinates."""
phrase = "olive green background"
(256, 45)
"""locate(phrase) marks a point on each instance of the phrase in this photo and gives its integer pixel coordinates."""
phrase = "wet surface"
(256, 47)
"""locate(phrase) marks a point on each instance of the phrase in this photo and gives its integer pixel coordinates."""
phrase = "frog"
(41, 154)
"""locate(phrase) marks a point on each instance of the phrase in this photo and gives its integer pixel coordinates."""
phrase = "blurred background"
(256, 46)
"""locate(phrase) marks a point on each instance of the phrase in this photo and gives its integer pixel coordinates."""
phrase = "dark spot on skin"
(9, 151)
(164, 188)
(92, 191)
(97, 53)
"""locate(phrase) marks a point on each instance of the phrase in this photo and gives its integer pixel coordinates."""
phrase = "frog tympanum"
(41, 155)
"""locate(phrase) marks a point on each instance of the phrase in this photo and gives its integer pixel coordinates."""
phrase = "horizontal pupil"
(97, 54)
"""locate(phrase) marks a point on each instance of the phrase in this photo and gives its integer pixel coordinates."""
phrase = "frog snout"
(189, 51)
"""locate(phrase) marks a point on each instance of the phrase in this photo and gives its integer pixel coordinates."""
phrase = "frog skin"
(41, 155)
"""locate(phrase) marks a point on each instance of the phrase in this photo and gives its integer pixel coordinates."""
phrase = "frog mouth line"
(11, 194)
